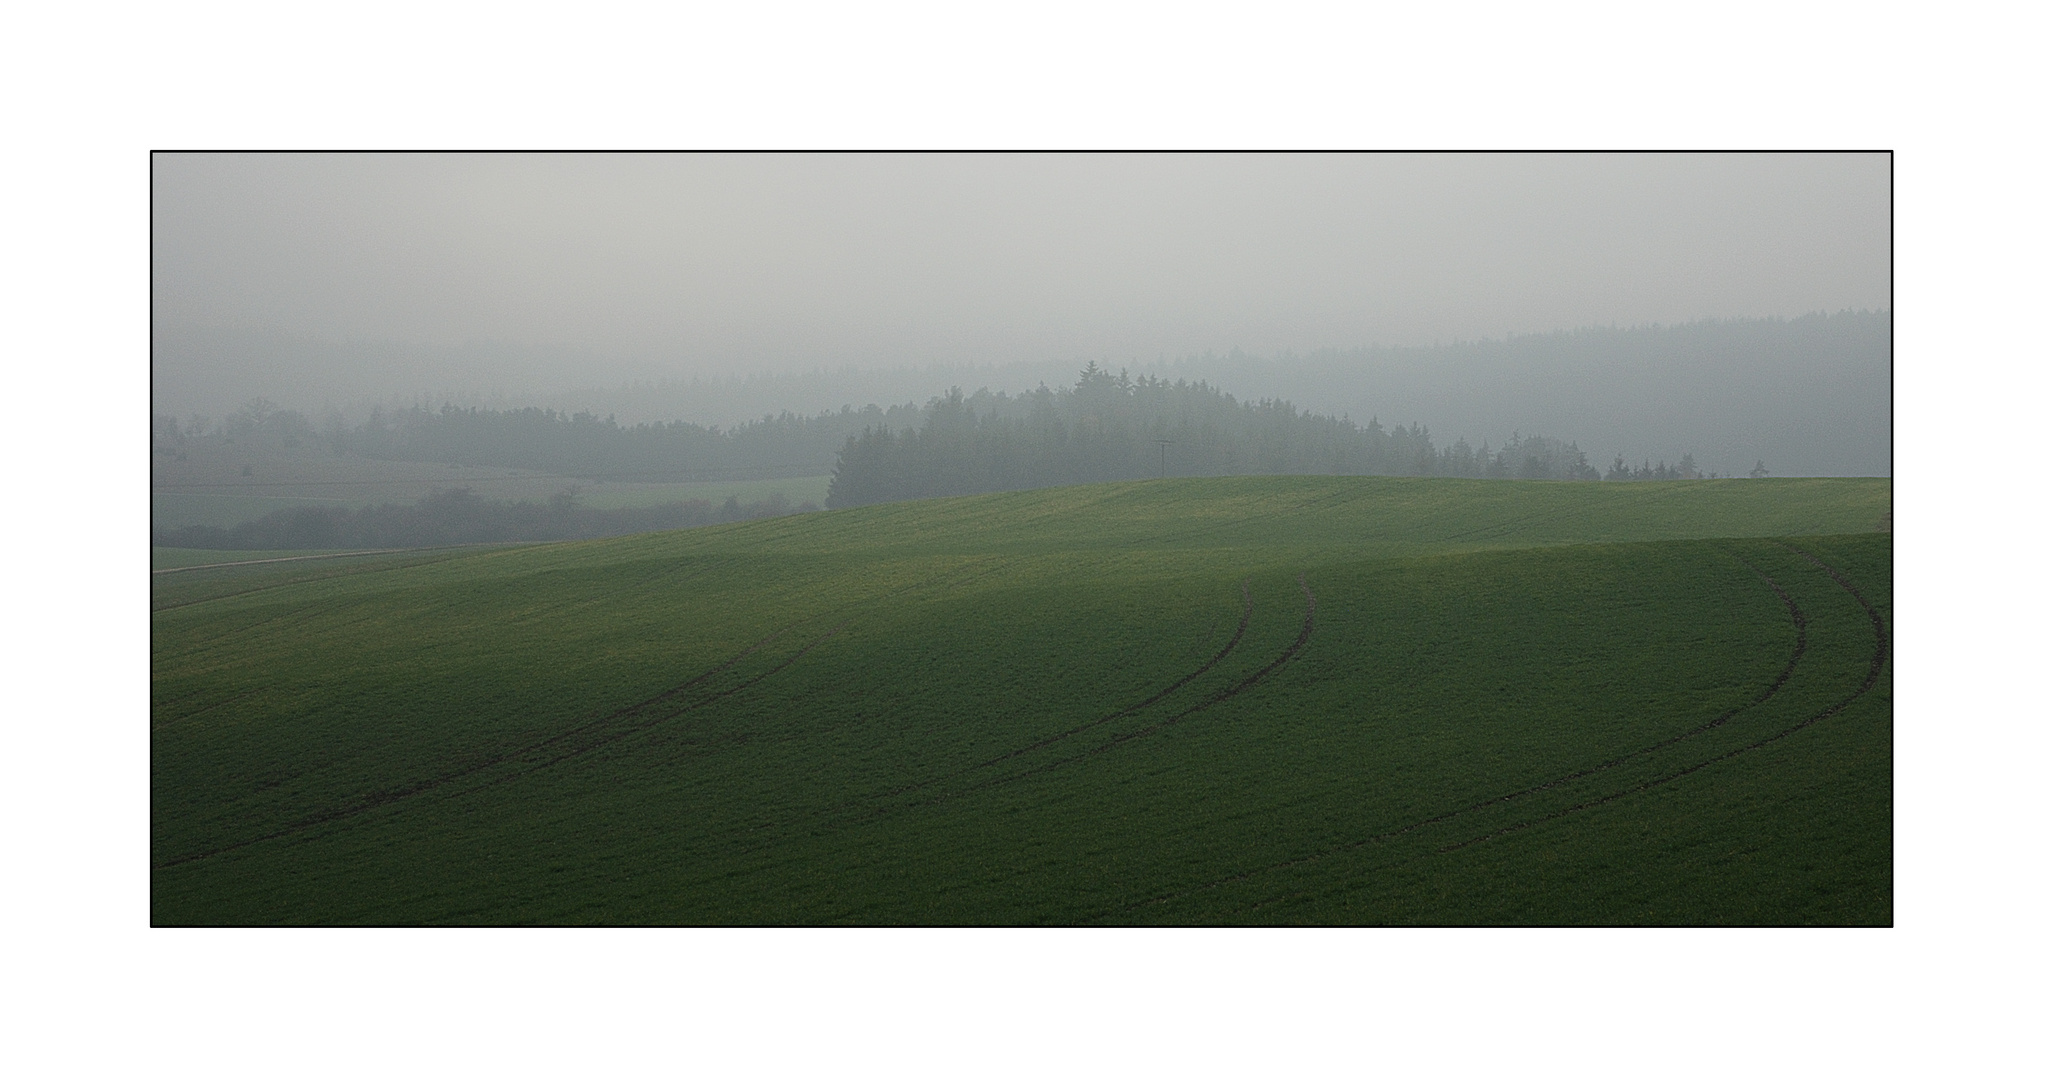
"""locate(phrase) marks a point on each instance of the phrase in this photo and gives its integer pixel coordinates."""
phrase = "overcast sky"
(707, 264)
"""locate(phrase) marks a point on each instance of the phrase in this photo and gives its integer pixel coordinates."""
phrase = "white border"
(92, 89)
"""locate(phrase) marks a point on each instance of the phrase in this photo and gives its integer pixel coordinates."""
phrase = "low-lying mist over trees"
(1105, 426)
(583, 444)
(1811, 395)
(1741, 398)
(1112, 427)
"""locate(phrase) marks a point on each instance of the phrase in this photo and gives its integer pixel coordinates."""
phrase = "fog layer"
(695, 264)
(324, 279)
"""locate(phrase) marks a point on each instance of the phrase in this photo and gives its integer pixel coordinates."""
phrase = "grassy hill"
(1292, 699)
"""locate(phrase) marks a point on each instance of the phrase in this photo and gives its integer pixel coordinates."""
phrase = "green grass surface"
(621, 495)
(186, 560)
(209, 487)
(1295, 699)
(224, 508)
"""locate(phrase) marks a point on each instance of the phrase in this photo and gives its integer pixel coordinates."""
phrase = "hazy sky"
(707, 264)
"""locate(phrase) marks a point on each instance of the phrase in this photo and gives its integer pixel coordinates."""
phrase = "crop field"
(1244, 700)
(223, 486)
(187, 560)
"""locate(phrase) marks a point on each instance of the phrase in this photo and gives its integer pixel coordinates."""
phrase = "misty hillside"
(1112, 427)
(1810, 396)
(1106, 426)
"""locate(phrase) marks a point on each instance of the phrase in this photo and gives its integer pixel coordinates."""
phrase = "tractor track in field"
(345, 555)
(390, 796)
(643, 725)
(1306, 631)
(341, 573)
(944, 582)
(287, 558)
(1796, 656)
(1797, 618)
(1242, 627)
(393, 795)
(971, 571)
(309, 611)
(1875, 666)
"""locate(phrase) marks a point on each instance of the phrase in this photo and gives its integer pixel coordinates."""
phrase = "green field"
(187, 560)
(1241, 700)
(225, 485)
(224, 505)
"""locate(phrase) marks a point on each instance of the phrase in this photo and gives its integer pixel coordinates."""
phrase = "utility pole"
(1161, 444)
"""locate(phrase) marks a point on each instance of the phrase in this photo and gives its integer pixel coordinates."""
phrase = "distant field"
(1240, 700)
(616, 495)
(209, 488)
(168, 558)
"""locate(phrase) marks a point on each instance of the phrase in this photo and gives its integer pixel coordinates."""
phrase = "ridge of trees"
(1111, 427)
(545, 440)
(1106, 426)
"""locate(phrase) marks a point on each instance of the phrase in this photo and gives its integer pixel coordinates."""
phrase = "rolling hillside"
(1235, 700)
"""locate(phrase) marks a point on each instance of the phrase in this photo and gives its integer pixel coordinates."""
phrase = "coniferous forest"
(1111, 427)
(1106, 426)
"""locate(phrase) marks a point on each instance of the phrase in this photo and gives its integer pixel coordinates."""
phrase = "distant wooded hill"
(1107, 426)
(579, 444)
(1103, 428)
(1111, 427)
(1811, 395)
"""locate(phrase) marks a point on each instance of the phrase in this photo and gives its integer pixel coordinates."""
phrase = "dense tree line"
(583, 445)
(544, 440)
(258, 418)
(459, 516)
(1685, 469)
(1107, 426)
(1111, 427)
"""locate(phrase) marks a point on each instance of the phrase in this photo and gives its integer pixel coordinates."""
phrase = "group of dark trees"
(1685, 469)
(1111, 427)
(545, 440)
(583, 445)
(459, 516)
(1107, 426)
(258, 418)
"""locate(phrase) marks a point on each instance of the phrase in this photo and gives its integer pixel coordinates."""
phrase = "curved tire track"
(1875, 666)
(1306, 630)
(343, 572)
(643, 725)
(388, 796)
(1242, 626)
(1797, 618)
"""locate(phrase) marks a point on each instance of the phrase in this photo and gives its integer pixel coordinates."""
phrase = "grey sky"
(676, 266)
